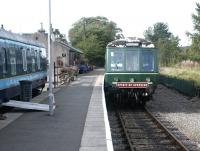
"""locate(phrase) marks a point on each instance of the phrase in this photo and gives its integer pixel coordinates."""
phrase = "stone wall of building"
(60, 51)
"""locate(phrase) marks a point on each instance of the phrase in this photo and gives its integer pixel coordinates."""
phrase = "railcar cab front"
(131, 68)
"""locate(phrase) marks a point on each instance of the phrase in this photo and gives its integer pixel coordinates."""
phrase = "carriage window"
(24, 60)
(38, 59)
(12, 51)
(132, 61)
(4, 60)
(28, 53)
(116, 61)
(33, 59)
(12, 60)
(13, 65)
(147, 61)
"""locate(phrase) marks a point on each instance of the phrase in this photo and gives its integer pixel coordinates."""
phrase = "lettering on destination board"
(132, 84)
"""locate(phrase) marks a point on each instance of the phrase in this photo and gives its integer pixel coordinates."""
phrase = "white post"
(51, 96)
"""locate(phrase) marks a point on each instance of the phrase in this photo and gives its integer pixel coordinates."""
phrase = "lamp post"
(51, 96)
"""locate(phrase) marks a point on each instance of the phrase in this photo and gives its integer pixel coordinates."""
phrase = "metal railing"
(183, 86)
(64, 75)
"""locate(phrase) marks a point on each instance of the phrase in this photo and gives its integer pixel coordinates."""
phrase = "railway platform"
(80, 121)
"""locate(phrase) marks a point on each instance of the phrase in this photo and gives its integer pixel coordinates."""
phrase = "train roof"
(131, 42)
(19, 38)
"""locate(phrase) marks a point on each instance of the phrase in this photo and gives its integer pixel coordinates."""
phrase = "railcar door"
(3, 62)
(19, 65)
(12, 60)
(24, 59)
(33, 58)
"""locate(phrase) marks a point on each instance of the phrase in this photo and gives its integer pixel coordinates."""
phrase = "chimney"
(41, 30)
(2, 27)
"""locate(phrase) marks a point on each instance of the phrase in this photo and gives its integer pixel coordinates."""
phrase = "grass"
(186, 73)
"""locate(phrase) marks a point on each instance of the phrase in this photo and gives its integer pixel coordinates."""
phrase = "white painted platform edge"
(107, 125)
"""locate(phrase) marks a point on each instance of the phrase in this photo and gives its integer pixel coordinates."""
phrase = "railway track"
(139, 130)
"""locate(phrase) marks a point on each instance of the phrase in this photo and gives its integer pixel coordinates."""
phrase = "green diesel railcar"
(131, 71)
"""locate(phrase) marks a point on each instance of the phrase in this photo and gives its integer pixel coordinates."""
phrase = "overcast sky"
(132, 16)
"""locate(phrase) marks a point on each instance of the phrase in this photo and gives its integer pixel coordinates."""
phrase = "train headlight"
(116, 79)
(132, 79)
(148, 79)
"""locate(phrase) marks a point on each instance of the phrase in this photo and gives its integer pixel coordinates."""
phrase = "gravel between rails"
(183, 112)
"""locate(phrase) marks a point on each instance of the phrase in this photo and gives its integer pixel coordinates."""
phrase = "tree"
(168, 51)
(59, 36)
(195, 47)
(92, 34)
(165, 41)
(158, 31)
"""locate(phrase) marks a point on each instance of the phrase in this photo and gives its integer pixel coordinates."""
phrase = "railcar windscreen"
(147, 61)
(117, 61)
(132, 61)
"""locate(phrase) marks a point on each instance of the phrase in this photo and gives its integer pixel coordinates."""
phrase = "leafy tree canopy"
(195, 47)
(158, 31)
(165, 41)
(92, 34)
(59, 36)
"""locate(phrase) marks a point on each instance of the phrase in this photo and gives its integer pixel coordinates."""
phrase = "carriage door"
(33, 62)
(1, 62)
(12, 60)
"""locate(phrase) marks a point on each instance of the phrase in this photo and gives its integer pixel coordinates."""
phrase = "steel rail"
(124, 128)
(177, 142)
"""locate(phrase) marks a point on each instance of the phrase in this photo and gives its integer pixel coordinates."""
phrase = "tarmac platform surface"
(37, 131)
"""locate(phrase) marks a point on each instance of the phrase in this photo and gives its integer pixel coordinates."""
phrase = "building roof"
(131, 42)
(71, 47)
(4, 34)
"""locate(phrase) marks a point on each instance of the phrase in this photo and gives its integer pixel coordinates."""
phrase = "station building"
(63, 53)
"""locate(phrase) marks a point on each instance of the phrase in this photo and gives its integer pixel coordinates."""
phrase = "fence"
(64, 74)
(183, 86)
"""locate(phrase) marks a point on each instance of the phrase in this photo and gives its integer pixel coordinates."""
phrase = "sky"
(132, 16)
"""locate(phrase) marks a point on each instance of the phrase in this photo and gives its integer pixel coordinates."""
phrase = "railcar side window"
(38, 59)
(132, 61)
(147, 61)
(24, 60)
(4, 60)
(12, 61)
(116, 61)
(29, 60)
(33, 60)
(1, 63)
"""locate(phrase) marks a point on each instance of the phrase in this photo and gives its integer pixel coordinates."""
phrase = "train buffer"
(27, 105)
